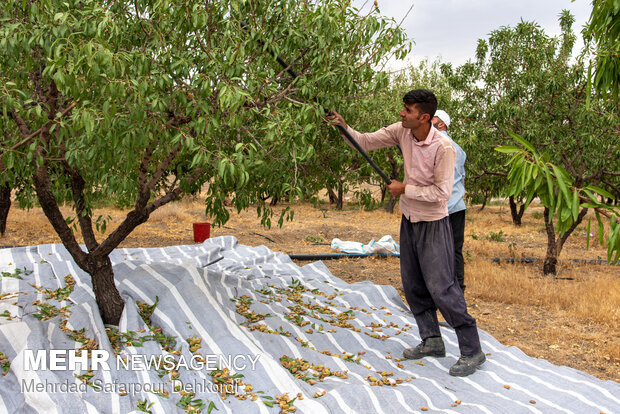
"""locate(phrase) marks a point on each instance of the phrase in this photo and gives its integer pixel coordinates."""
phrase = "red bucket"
(201, 232)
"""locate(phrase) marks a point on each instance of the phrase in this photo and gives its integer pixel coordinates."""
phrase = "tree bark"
(108, 298)
(391, 204)
(340, 198)
(395, 171)
(98, 265)
(517, 214)
(331, 194)
(5, 206)
(551, 259)
(555, 245)
(484, 203)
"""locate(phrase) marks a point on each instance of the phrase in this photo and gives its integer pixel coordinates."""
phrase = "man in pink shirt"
(426, 247)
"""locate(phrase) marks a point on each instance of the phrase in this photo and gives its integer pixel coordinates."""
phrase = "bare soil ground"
(572, 319)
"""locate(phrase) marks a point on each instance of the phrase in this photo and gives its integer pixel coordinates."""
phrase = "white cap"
(443, 115)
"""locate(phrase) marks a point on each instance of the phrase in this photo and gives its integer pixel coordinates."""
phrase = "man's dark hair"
(425, 100)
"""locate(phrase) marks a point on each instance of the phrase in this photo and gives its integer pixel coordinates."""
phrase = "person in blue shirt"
(456, 205)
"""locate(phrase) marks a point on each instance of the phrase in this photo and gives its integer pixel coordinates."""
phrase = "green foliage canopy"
(142, 101)
(553, 185)
(119, 90)
(526, 82)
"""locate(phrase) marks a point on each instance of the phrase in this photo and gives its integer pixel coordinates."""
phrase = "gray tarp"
(195, 292)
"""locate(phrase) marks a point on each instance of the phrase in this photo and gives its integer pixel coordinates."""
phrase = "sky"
(450, 29)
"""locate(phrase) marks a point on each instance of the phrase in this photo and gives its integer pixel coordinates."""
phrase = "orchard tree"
(507, 88)
(142, 101)
(526, 83)
(566, 200)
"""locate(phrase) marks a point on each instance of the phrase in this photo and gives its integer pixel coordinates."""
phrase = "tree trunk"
(98, 266)
(551, 259)
(554, 246)
(484, 203)
(108, 299)
(274, 201)
(517, 215)
(5, 206)
(331, 194)
(340, 198)
(391, 204)
(395, 171)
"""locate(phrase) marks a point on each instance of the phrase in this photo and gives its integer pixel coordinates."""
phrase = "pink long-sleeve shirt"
(429, 169)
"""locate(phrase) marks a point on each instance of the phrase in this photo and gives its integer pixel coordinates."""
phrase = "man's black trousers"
(457, 221)
(429, 281)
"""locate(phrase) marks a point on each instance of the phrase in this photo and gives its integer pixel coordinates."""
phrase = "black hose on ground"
(336, 256)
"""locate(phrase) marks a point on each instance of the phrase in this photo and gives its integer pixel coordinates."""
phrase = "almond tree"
(566, 199)
(142, 101)
(500, 91)
(526, 83)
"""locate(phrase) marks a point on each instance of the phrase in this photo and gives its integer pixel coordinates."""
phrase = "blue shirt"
(456, 202)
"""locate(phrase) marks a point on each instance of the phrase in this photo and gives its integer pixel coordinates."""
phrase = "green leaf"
(508, 149)
(600, 229)
(527, 177)
(565, 213)
(575, 204)
(550, 187)
(600, 191)
(611, 243)
(522, 141)
(530, 195)
(592, 197)
(560, 179)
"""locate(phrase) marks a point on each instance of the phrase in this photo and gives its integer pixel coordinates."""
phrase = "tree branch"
(21, 124)
(49, 204)
(485, 172)
(613, 187)
(26, 132)
(145, 163)
(134, 219)
(83, 216)
(570, 230)
(163, 167)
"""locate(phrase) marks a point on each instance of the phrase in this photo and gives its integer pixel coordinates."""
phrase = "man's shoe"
(429, 347)
(466, 365)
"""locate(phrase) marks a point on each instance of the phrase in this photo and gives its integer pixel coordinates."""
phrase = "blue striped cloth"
(195, 285)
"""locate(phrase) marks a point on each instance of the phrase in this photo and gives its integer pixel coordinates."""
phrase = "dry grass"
(580, 295)
(572, 320)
